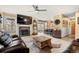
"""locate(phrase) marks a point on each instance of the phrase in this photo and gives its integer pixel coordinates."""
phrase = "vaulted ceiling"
(52, 10)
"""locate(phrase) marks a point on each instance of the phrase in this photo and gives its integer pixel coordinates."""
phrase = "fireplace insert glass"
(21, 19)
(24, 31)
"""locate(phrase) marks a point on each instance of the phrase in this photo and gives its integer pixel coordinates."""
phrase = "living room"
(39, 28)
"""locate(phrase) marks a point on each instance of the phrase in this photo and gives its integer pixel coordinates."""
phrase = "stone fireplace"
(24, 31)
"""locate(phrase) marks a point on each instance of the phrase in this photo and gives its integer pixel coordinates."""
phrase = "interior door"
(73, 28)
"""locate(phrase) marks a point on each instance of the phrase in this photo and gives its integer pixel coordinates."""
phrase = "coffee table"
(42, 41)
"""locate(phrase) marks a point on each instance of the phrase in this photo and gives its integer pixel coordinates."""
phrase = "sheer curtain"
(9, 25)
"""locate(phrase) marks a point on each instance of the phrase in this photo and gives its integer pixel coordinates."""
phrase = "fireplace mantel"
(25, 25)
(19, 25)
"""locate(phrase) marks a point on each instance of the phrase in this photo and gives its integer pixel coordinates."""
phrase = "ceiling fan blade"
(42, 10)
(30, 11)
(35, 7)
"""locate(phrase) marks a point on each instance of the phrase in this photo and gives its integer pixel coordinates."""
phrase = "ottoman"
(42, 41)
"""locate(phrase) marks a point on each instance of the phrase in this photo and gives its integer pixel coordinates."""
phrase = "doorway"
(73, 29)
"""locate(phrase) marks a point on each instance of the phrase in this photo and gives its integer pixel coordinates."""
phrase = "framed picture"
(77, 20)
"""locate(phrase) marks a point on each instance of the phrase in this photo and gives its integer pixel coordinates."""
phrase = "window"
(9, 25)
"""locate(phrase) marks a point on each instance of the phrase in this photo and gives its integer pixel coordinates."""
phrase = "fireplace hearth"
(24, 31)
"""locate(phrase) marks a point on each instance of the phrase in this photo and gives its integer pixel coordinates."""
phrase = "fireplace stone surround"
(24, 30)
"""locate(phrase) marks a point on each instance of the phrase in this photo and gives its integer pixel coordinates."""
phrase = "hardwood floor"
(65, 43)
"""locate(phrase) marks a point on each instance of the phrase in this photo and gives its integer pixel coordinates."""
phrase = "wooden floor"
(65, 43)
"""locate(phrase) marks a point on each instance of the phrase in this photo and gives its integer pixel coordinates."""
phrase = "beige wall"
(77, 26)
(61, 18)
(9, 15)
(14, 16)
(65, 29)
(50, 24)
(59, 26)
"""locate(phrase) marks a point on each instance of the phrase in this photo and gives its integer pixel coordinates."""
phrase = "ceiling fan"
(36, 8)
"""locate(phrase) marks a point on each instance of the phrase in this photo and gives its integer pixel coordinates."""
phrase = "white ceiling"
(52, 10)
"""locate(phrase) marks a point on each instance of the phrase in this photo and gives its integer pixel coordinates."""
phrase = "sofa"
(19, 47)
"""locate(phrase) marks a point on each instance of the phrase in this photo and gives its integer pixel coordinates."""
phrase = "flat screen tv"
(22, 19)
